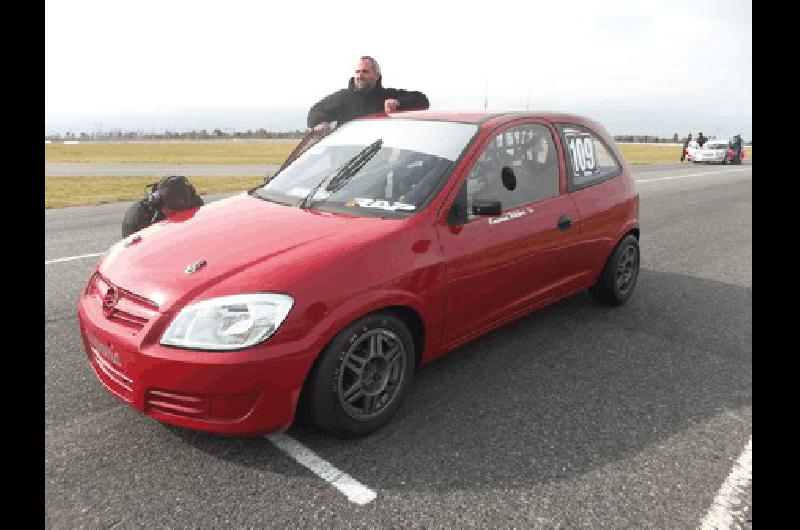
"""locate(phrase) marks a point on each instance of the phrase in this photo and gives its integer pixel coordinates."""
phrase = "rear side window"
(589, 160)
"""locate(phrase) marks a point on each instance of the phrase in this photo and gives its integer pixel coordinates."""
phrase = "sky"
(637, 67)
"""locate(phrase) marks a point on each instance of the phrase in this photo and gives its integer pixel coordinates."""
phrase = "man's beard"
(366, 87)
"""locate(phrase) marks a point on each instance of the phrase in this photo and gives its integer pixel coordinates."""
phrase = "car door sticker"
(380, 204)
(513, 214)
(581, 150)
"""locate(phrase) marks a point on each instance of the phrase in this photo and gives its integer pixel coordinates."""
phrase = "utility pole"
(486, 94)
(528, 105)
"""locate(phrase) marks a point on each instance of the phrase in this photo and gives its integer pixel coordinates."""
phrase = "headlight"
(228, 322)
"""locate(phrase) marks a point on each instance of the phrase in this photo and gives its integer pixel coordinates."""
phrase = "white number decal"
(582, 153)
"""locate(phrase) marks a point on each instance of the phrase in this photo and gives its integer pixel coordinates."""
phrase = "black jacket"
(347, 104)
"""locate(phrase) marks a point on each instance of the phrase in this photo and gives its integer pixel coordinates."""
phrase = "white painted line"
(350, 487)
(724, 508)
(693, 175)
(73, 258)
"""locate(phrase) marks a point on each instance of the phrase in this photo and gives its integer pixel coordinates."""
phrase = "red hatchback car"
(386, 244)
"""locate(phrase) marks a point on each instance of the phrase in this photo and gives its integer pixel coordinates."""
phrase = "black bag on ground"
(173, 192)
(141, 214)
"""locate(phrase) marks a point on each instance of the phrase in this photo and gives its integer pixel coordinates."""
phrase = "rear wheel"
(620, 273)
(361, 378)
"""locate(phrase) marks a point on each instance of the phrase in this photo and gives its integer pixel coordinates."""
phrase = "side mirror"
(480, 207)
(457, 215)
(508, 178)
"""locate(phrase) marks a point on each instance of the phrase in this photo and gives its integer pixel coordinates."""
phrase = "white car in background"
(716, 151)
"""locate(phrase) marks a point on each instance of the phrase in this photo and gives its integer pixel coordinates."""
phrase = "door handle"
(564, 222)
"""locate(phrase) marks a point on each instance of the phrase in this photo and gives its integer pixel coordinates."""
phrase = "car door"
(601, 191)
(500, 265)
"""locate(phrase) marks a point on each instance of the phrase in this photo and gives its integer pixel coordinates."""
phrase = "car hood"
(230, 236)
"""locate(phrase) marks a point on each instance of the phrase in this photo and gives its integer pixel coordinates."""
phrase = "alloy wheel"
(370, 373)
(627, 269)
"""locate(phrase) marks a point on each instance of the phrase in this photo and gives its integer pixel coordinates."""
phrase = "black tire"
(618, 279)
(347, 403)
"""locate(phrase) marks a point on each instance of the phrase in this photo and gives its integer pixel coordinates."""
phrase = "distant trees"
(202, 134)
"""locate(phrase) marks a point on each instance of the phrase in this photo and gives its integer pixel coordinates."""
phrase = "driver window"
(530, 152)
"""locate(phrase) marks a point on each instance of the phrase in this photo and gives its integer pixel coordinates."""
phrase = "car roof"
(481, 117)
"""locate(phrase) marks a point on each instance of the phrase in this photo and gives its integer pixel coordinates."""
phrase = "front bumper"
(710, 159)
(247, 392)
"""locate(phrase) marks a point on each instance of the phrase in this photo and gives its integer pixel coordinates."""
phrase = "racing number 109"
(582, 152)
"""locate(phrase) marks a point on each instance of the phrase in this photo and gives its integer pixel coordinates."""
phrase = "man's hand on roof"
(390, 105)
(322, 127)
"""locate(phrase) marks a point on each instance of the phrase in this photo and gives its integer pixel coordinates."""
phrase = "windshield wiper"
(348, 170)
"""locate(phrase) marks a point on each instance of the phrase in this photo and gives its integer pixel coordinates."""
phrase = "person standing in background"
(685, 146)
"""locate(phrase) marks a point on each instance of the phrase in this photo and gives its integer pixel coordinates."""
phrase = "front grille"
(131, 310)
(177, 404)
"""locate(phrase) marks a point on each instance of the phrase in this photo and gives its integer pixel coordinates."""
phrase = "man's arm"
(324, 110)
(408, 99)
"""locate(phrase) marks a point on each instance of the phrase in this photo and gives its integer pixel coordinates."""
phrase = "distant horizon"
(239, 119)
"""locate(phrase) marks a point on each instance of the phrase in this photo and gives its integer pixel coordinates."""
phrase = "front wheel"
(361, 378)
(619, 275)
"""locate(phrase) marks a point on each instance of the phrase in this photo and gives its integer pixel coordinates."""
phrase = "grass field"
(216, 153)
(79, 191)
(60, 192)
(657, 153)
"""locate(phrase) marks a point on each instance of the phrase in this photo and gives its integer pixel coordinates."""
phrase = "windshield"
(410, 161)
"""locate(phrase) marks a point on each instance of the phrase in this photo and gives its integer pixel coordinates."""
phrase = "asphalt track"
(577, 415)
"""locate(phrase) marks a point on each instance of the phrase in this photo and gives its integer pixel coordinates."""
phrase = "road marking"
(73, 258)
(350, 487)
(692, 175)
(723, 509)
